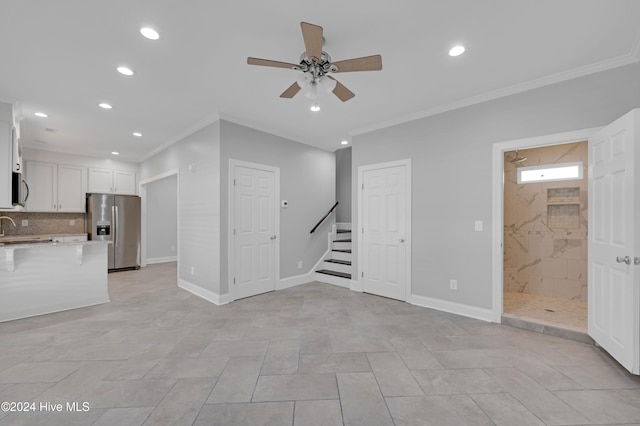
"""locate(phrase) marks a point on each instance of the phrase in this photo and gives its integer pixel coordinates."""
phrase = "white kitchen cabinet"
(5, 165)
(56, 187)
(112, 181)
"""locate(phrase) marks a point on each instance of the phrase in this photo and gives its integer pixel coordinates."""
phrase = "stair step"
(341, 262)
(342, 250)
(335, 273)
(344, 231)
(347, 240)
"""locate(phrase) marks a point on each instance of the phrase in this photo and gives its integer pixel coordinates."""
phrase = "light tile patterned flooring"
(310, 355)
(569, 314)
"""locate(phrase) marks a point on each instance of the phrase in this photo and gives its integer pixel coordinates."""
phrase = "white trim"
(230, 214)
(343, 225)
(142, 190)
(498, 201)
(208, 295)
(632, 57)
(161, 260)
(333, 280)
(356, 285)
(408, 268)
(309, 277)
(452, 307)
(189, 131)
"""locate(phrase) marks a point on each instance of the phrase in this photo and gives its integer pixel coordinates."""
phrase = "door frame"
(361, 170)
(497, 215)
(233, 163)
(142, 191)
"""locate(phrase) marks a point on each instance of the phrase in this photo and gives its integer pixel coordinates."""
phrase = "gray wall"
(451, 161)
(343, 185)
(199, 194)
(162, 218)
(307, 182)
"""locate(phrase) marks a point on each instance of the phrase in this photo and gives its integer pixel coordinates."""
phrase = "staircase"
(336, 268)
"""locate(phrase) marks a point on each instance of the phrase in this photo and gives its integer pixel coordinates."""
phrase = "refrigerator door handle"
(114, 215)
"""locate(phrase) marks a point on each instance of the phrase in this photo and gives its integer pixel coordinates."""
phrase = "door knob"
(625, 259)
(401, 240)
(273, 237)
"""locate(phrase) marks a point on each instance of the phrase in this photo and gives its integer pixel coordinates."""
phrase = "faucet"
(5, 217)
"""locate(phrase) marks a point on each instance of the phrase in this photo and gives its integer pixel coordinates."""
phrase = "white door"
(254, 231)
(614, 239)
(385, 224)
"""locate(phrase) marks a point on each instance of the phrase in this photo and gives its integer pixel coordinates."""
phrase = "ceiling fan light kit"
(316, 64)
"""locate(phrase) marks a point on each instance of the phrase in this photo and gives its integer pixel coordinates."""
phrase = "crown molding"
(206, 121)
(620, 61)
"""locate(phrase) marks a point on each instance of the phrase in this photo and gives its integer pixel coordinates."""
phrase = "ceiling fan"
(316, 64)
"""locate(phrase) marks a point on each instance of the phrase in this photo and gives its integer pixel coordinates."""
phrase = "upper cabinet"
(56, 187)
(6, 160)
(112, 181)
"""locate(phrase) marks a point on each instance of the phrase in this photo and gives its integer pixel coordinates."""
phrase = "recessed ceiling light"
(149, 33)
(345, 142)
(105, 105)
(115, 152)
(125, 71)
(315, 108)
(40, 114)
(137, 134)
(456, 51)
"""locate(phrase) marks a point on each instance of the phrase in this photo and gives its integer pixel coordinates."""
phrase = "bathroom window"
(550, 172)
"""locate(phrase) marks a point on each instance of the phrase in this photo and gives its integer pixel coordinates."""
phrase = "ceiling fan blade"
(269, 63)
(341, 91)
(312, 35)
(291, 91)
(367, 63)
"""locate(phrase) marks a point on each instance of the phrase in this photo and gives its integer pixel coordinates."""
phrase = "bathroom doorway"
(545, 236)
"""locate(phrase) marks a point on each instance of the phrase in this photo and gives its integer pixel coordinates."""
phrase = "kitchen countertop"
(45, 243)
(25, 241)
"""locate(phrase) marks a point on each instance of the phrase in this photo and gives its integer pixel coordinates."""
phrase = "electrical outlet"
(193, 270)
(25, 222)
(173, 248)
(453, 284)
(478, 225)
(299, 264)
(72, 222)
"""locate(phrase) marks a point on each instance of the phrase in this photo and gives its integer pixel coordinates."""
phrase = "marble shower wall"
(545, 248)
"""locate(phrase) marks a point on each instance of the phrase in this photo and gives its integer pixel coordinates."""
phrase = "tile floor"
(569, 314)
(310, 355)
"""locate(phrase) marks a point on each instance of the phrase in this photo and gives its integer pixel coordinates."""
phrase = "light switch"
(478, 225)
(25, 222)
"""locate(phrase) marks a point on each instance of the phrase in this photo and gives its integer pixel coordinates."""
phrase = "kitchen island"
(43, 277)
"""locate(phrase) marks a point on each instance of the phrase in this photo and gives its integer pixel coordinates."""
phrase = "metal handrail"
(324, 217)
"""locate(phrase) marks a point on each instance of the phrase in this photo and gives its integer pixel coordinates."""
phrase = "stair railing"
(324, 218)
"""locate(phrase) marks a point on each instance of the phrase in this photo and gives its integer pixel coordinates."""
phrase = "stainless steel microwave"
(19, 189)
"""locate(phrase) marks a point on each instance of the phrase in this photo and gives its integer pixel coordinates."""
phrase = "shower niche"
(563, 208)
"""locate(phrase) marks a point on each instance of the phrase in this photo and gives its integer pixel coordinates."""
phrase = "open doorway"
(545, 235)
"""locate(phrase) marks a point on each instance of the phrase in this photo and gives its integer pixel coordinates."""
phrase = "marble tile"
(318, 413)
(35, 372)
(256, 414)
(127, 393)
(282, 357)
(293, 387)
(361, 400)
(414, 353)
(176, 368)
(599, 377)
(236, 348)
(471, 358)
(436, 410)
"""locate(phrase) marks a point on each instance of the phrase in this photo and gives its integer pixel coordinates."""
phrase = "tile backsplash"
(43, 223)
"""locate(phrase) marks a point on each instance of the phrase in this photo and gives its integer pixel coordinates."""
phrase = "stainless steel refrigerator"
(116, 218)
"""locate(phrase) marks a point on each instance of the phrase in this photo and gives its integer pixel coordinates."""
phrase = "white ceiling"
(60, 57)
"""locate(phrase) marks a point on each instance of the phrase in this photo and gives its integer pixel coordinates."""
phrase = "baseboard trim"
(53, 308)
(452, 307)
(161, 260)
(296, 280)
(356, 286)
(203, 293)
(333, 280)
